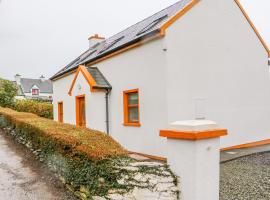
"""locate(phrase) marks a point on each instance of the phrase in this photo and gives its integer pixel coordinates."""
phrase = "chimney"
(18, 79)
(95, 39)
(42, 78)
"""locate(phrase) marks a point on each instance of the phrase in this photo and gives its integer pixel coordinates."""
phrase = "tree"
(8, 91)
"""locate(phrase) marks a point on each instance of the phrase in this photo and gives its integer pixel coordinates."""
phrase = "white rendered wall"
(61, 88)
(213, 54)
(142, 68)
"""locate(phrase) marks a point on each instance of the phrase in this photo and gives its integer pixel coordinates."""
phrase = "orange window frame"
(60, 112)
(127, 106)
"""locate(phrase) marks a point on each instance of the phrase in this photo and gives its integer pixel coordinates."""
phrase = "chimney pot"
(18, 79)
(42, 78)
(95, 39)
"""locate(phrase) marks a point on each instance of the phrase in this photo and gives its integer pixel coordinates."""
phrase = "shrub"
(65, 138)
(80, 156)
(41, 109)
(8, 91)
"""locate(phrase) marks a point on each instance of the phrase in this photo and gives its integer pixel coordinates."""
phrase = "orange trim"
(86, 75)
(177, 16)
(60, 112)
(96, 36)
(131, 124)
(253, 26)
(78, 122)
(247, 145)
(149, 156)
(163, 32)
(125, 49)
(126, 107)
(193, 135)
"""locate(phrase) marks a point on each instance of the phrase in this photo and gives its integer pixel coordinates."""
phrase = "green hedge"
(41, 109)
(80, 156)
(8, 91)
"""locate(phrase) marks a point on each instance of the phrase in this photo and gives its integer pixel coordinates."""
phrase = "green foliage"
(8, 91)
(41, 109)
(58, 146)
(65, 138)
(87, 161)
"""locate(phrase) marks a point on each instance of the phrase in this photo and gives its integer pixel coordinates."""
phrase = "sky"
(39, 37)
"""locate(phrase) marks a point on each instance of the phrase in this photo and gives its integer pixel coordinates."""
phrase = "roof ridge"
(144, 19)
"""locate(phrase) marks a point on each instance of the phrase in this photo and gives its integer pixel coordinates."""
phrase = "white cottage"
(37, 89)
(193, 60)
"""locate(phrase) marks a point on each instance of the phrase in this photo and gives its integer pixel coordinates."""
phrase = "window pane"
(133, 98)
(133, 114)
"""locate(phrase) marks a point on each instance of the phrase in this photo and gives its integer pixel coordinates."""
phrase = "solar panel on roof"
(152, 25)
(111, 44)
(132, 33)
(89, 54)
(73, 62)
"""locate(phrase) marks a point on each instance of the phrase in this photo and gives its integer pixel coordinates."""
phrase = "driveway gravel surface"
(24, 178)
(246, 178)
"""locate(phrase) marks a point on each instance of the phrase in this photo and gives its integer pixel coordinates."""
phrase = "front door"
(80, 111)
(60, 112)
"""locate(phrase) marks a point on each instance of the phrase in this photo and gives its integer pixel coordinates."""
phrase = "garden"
(90, 163)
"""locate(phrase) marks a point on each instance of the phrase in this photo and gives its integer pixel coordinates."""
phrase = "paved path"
(20, 179)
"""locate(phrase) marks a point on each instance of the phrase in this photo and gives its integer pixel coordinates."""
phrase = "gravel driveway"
(24, 178)
(246, 178)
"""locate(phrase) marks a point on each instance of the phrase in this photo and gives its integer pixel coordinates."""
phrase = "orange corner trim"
(253, 26)
(177, 16)
(193, 135)
(162, 32)
(86, 75)
(247, 145)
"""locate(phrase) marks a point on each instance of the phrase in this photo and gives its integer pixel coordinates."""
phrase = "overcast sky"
(41, 36)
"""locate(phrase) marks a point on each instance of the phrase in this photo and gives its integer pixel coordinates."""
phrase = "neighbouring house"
(37, 89)
(193, 60)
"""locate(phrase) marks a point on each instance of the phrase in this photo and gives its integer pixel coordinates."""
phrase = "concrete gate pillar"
(193, 153)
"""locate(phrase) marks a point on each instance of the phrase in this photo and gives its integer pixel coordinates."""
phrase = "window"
(131, 108)
(35, 91)
(60, 112)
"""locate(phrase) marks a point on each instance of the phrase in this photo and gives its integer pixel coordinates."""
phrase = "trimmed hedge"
(41, 109)
(67, 139)
(86, 161)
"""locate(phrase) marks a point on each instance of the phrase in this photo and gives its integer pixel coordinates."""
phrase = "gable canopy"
(94, 78)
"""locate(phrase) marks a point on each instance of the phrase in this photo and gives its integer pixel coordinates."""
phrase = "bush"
(41, 109)
(81, 157)
(65, 138)
(8, 91)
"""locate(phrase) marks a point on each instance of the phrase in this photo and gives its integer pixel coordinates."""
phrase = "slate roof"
(126, 37)
(44, 86)
(99, 78)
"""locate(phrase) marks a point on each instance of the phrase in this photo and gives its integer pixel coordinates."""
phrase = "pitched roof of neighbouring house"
(44, 86)
(134, 33)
